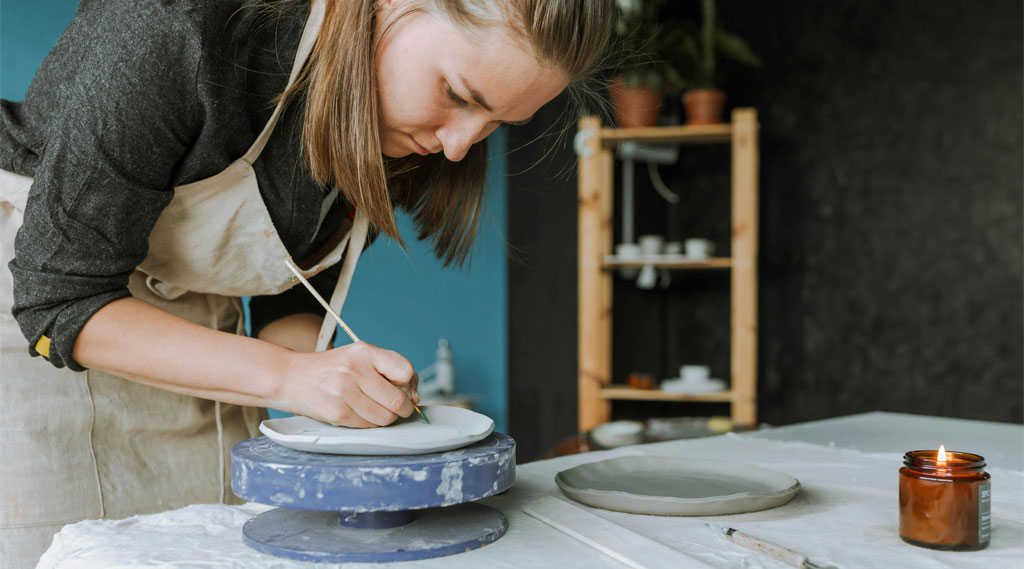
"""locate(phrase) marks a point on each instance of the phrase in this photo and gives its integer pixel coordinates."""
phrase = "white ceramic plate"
(670, 486)
(675, 385)
(449, 428)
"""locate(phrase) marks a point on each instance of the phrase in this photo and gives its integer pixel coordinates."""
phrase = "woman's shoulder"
(176, 24)
(181, 41)
(136, 29)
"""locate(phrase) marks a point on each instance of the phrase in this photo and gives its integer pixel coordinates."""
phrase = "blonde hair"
(340, 137)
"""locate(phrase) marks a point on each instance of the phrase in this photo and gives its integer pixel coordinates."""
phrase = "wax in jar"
(945, 504)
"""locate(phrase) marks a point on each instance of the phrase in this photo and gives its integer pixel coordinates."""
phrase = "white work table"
(1002, 444)
(845, 513)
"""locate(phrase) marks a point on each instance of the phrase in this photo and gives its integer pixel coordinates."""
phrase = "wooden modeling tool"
(298, 274)
(783, 554)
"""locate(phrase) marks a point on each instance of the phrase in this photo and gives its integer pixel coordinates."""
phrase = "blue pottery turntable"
(346, 508)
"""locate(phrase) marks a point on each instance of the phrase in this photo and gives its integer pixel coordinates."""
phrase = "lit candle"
(945, 500)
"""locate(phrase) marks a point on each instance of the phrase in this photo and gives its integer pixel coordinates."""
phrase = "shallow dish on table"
(449, 428)
(671, 486)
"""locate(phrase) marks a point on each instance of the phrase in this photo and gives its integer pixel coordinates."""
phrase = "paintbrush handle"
(294, 269)
(777, 551)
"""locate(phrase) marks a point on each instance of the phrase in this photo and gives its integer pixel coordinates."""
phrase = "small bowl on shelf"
(618, 433)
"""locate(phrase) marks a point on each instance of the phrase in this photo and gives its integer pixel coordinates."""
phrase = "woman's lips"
(419, 149)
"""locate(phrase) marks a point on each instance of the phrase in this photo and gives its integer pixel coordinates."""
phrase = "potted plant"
(698, 53)
(638, 88)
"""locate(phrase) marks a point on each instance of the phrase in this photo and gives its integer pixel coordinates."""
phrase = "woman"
(169, 158)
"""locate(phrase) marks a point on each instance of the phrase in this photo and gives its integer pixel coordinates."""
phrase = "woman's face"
(442, 88)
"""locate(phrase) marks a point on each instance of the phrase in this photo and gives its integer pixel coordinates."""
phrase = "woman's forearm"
(357, 385)
(133, 339)
(296, 332)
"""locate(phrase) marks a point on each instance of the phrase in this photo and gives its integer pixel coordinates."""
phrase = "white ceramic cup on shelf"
(628, 252)
(694, 372)
(650, 244)
(699, 248)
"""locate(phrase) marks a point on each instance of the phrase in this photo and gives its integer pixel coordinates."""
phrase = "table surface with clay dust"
(845, 513)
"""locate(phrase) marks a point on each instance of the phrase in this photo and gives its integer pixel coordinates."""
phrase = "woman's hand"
(357, 385)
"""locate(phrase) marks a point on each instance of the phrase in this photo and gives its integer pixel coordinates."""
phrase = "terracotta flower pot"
(704, 106)
(635, 106)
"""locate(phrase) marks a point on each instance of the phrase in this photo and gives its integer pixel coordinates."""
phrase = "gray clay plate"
(668, 486)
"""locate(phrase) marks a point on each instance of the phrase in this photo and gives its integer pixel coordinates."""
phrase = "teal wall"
(404, 301)
(28, 29)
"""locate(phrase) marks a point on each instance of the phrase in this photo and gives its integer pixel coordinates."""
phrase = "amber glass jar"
(945, 504)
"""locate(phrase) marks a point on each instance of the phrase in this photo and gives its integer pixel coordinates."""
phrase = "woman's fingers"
(414, 385)
(393, 367)
(388, 397)
(373, 412)
(355, 420)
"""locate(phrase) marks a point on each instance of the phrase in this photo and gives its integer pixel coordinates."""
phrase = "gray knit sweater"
(139, 96)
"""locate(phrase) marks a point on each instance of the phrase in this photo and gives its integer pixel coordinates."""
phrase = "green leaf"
(653, 80)
(733, 47)
(673, 79)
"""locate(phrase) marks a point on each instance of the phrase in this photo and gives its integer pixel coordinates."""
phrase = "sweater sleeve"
(121, 85)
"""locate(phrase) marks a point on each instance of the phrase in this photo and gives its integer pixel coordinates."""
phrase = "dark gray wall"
(891, 226)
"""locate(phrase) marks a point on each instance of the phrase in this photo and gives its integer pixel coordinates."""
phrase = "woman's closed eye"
(463, 103)
(459, 101)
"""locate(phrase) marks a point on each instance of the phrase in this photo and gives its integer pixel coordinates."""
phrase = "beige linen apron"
(80, 445)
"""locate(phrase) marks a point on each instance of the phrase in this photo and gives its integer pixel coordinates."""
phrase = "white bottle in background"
(444, 370)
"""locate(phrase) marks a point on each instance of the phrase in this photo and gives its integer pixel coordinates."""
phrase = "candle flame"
(942, 455)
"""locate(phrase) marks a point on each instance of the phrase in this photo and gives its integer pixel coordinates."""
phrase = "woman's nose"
(458, 135)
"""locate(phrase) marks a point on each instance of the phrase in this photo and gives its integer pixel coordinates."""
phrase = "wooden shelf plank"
(594, 320)
(665, 262)
(703, 134)
(743, 368)
(623, 392)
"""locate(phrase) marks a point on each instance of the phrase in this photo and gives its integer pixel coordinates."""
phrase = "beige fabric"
(90, 444)
(47, 470)
(190, 249)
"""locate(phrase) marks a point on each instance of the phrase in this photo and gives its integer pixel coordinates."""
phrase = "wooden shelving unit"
(595, 146)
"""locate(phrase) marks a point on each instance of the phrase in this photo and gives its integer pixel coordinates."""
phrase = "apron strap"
(309, 33)
(357, 238)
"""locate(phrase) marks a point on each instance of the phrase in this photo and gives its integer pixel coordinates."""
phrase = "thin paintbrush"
(320, 299)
